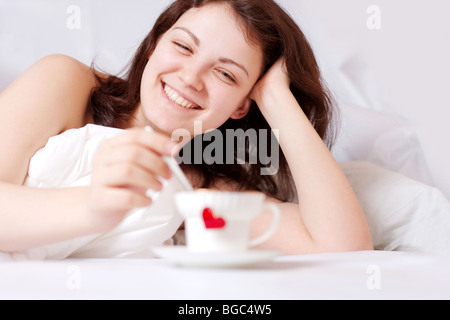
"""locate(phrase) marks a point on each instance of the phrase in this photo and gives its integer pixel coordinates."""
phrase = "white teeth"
(173, 95)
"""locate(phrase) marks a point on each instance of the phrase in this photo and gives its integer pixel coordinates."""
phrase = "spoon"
(175, 168)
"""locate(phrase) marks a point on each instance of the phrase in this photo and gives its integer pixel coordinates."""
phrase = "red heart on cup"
(210, 221)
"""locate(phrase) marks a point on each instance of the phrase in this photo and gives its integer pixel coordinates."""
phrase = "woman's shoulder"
(62, 61)
(50, 97)
(55, 84)
(59, 67)
(65, 73)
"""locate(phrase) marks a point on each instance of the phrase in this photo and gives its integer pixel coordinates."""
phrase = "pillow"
(382, 139)
(403, 214)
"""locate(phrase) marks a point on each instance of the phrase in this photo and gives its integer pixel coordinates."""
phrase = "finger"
(129, 199)
(283, 65)
(154, 141)
(134, 154)
(112, 201)
(126, 175)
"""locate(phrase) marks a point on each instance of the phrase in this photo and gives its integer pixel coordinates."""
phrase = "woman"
(228, 64)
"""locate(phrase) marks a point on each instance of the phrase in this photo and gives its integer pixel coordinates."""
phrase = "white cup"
(217, 221)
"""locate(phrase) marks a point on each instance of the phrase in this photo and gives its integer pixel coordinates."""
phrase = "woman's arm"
(124, 168)
(47, 99)
(33, 217)
(328, 216)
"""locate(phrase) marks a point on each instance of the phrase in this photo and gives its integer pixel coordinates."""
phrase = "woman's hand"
(124, 168)
(276, 78)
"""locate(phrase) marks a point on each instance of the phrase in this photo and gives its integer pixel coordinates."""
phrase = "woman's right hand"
(123, 169)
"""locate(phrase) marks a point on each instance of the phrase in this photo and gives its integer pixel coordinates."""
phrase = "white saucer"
(182, 256)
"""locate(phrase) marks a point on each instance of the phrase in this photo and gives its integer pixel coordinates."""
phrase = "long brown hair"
(266, 24)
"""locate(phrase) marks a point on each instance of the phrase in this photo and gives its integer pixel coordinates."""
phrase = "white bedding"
(356, 275)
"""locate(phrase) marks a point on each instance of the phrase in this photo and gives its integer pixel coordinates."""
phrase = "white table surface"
(356, 275)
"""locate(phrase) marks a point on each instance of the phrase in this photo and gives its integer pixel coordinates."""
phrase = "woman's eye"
(227, 75)
(183, 47)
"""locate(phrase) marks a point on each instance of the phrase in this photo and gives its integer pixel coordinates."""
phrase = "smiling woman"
(230, 65)
(196, 61)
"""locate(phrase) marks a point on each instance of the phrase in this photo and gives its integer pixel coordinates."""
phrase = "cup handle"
(273, 227)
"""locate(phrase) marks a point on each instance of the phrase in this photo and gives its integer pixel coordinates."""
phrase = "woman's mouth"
(179, 100)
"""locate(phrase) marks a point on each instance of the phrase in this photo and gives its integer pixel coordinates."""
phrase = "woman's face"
(203, 69)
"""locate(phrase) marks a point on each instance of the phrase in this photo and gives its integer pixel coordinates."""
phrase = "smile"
(179, 100)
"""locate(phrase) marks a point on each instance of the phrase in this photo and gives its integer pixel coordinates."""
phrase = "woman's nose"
(192, 76)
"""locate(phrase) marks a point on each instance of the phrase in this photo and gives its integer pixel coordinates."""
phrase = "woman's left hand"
(275, 78)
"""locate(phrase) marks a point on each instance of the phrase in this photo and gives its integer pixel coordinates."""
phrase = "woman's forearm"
(34, 217)
(329, 208)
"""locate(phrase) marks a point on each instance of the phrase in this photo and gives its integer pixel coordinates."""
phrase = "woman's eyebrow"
(193, 36)
(221, 59)
(229, 61)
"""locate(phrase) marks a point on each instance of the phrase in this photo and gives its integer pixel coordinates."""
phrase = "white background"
(401, 68)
